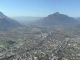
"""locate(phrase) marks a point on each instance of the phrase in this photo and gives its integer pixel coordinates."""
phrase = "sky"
(39, 8)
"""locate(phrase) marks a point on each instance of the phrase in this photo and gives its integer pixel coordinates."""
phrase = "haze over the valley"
(25, 19)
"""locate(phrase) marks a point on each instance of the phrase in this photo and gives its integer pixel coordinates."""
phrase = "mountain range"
(52, 19)
(7, 22)
(57, 19)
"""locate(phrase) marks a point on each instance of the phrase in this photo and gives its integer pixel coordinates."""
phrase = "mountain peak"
(56, 13)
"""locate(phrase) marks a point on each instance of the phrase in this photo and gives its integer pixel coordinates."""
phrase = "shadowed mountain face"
(58, 19)
(7, 22)
(2, 15)
(78, 18)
